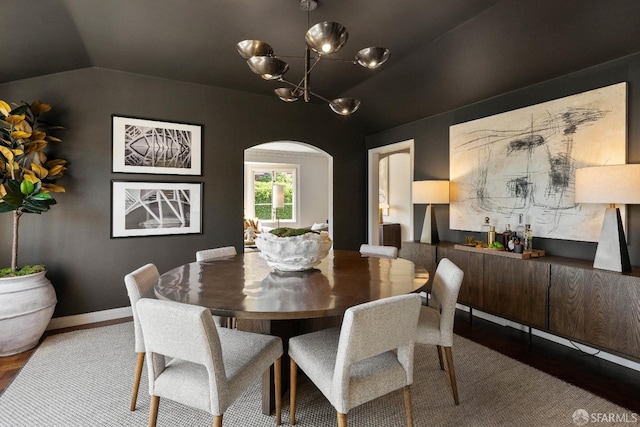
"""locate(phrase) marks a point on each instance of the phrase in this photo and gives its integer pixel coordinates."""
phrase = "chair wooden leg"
(217, 421)
(136, 381)
(407, 406)
(292, 392)
(342, 420)
(439, 349)
(452, 374)
(153, 410)
(277, 365)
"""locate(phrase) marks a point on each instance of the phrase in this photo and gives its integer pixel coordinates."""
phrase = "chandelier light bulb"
(268, 67)
(326, 37)
(344, 106)
(251, 48)
(372, 57)
(287, 94)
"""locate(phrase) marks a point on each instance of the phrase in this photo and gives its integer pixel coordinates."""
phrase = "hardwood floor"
(608, 380)
(618, 384)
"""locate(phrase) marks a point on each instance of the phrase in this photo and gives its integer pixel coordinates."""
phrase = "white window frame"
(252, 168)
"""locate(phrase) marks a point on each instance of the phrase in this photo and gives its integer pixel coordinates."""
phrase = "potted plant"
(27, 298)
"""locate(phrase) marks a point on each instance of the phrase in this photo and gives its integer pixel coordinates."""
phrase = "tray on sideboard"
(536, 253)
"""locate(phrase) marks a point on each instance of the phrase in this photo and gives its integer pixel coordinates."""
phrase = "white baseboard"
(601, 354)
(85, 318)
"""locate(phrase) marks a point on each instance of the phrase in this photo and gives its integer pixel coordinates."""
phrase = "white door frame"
(374, 155)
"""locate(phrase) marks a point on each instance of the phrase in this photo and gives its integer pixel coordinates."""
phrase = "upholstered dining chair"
(213, 254)
(435, 326)
(369, 356)
(139, 283)
(210, 367)
(379, 251)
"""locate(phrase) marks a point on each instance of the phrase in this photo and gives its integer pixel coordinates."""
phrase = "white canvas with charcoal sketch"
(524, 161)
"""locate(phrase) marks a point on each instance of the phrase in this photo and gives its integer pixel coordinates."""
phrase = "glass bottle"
(520, 228)
(528, 238)
(506, 236)
(485, 228)
(491, 235)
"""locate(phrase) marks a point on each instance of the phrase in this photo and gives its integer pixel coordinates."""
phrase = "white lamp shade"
(613, 184)
(430, 192)
(277, 196)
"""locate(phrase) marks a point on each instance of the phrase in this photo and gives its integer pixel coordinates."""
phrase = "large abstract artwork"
(524, 162)
(149, 146)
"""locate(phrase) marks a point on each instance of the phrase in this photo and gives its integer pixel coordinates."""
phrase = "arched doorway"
(310, 169)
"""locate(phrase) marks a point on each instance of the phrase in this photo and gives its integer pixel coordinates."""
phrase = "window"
(263, 179)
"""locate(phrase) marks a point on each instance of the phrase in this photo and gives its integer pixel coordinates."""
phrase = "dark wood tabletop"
(245, 287)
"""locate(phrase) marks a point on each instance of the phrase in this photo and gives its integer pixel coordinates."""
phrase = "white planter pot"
(26, 307)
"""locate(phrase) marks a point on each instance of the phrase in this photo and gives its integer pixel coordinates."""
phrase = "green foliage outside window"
(262, 189)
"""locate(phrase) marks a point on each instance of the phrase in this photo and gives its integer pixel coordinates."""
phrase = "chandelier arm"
(307, 70)
(289, 56)
(317, 59)
(350, 61)
(320, 97)
(297, 86)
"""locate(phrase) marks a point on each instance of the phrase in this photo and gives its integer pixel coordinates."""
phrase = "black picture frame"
(152, 208)
(155, 147)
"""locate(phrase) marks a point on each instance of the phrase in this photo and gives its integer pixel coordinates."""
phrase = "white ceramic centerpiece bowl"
(295, 253)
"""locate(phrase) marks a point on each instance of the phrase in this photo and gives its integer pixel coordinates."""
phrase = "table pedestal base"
(284, 329)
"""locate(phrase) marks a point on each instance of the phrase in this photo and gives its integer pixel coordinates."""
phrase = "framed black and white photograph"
(155, 208)
(156, 147)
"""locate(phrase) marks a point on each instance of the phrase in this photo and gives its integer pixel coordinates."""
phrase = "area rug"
(84, 378)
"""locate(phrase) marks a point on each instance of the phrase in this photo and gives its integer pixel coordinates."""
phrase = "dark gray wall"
(84, 264)
(431, 137)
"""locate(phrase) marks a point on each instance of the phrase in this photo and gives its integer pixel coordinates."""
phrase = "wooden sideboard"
(561, 296)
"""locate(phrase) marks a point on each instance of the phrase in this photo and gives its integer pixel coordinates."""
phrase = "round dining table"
(286, 304)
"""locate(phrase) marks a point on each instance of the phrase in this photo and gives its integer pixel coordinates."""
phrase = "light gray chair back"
(215, 253)
(371, 329)
(199, 374)
(379, 251)
(444, 295)
(370, 355)
(139, 283)
(184, 332)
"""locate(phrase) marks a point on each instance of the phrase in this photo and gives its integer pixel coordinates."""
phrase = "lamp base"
(429, 228)
(612, 252)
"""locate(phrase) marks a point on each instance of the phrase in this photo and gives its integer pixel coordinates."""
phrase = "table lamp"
(429, 192)
(277, 200)
(382, 206)
(614, 184)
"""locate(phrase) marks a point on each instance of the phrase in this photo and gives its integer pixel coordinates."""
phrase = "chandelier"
(324, 38)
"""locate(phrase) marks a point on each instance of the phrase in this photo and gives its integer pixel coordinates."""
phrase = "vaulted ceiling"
(444, 53)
